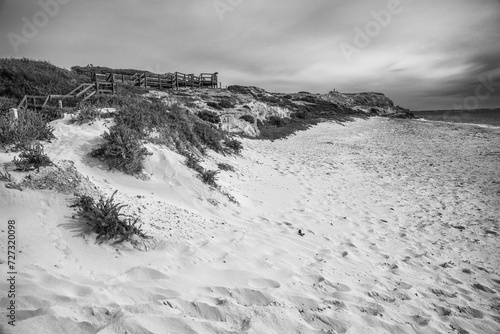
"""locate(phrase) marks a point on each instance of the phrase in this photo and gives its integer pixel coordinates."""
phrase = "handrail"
(146, 79)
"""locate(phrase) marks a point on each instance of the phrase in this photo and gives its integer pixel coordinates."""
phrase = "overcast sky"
(424, 54)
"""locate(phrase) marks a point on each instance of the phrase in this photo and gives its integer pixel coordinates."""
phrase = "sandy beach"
(373, 226)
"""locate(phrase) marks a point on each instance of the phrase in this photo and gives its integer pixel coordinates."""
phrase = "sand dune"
(399, 233)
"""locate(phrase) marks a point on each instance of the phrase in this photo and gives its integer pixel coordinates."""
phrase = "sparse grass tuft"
(6, 177)
(32, 157)
(209, 177)
(226, 167)
(122, 150)
(104, 217)
(193, 162)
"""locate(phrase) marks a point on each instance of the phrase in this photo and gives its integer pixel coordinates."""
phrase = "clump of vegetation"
(226, 104)
(299, 114)
(233, 144)
(209, 116)
(105, 218)
(248, 118)
(6, 176)
(87, 114)
(32, 157)
(276, 121)
(193, 162)
(6, 103)
(209, 177)
(19, 77)
(226, 167)
(174, 125)
(51, 113)
(27, 128)
(122, 150)
(215, 105)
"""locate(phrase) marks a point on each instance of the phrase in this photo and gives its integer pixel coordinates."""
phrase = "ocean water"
(484, 117)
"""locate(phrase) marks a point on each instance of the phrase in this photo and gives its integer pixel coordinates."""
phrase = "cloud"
(430, 54)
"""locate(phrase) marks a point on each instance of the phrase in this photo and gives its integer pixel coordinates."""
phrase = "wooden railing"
(160, 81)
(106, 84)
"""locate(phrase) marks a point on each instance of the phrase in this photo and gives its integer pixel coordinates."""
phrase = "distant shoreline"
(481, 117)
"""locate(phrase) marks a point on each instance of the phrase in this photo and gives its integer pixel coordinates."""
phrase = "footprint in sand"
(49, 222)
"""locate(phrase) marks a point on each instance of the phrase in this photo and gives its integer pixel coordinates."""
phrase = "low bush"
(122, 150)
(104, 217)
(175, 125)
(248, 118)
(31, 157)
(214, 105)
(226, 104)
(6, 177)
(300, 115)
(50, 113)
(226, 167)
(193, 162)
(276, 121)
(19, 77)
(209, 177)
(7, 103)
(30, 126)
(233, 144)
(87, 114)
(209, 116)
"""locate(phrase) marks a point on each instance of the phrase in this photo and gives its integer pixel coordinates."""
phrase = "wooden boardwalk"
(106, 84)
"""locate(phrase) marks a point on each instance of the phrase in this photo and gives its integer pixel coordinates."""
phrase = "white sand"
(401, 235)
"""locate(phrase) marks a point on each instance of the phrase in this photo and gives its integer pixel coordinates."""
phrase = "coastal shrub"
(246, 107)
(233, 144)
(276, 121)
(248, 118)
(87, 114)
(29, 127)
(19, 77)
(105, 218)
(209, 116)
(141, 115)
(6, 103)
(31, 157)
(299, 115)
(193, 162)
(6, 176)
(209, 177)
(226, 104)
(226, 167)
(122, 150)
(214, 105)
(51, 113)
(208, 136)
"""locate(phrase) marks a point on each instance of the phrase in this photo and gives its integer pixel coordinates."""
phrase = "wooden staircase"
(106, 84)
(83, 92)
